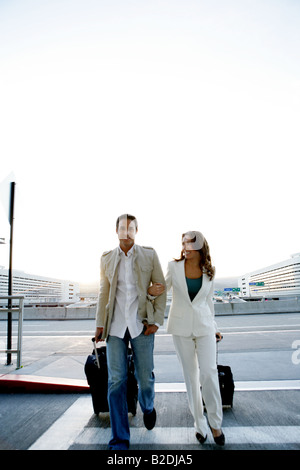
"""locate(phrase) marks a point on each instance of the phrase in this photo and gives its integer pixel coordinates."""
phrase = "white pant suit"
(193, 328)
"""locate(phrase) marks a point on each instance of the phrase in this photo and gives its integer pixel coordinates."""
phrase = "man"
(125, 312)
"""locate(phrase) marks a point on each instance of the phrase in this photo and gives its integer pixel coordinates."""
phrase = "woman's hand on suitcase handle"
(219, 337)
(98, 334)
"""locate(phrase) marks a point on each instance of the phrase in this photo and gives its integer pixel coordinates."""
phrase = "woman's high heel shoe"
(220, 440)
(200, 438)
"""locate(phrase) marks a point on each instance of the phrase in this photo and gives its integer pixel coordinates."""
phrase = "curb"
(39, 384)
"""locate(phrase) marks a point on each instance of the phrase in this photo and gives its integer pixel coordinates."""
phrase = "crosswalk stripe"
(62, 433)
(186, 435)
(72, 428)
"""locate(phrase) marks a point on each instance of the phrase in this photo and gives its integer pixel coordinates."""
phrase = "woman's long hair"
(205, 259)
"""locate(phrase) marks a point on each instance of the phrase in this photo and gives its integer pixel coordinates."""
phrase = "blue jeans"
(142, 347)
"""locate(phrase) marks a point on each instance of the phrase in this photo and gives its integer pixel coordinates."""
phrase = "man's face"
(126, 230)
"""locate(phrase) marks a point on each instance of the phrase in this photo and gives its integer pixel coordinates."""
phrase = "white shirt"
(126, 302)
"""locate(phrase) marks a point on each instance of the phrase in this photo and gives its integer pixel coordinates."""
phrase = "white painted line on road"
(55, 336)
(170, 387)
(71, 335)
(65, 429)
(264, 385)
(256, 326)
(258, 331)
(246, 386)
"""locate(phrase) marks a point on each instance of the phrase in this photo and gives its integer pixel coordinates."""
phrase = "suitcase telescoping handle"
(96, 352)
(218, 339)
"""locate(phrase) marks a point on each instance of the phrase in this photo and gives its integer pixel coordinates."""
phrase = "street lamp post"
(10, 287)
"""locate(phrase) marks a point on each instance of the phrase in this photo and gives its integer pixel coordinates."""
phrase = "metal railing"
(20, 310)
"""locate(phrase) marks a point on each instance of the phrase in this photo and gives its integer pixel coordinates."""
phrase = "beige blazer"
(188, 317)
(147, 270)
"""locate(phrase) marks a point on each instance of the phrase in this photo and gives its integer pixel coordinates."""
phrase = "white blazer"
(188, 317)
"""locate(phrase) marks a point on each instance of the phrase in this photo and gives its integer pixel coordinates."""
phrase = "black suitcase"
(97, 377)
(226, 384)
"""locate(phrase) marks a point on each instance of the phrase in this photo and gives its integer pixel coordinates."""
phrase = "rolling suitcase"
(226, 383)
(97, 377)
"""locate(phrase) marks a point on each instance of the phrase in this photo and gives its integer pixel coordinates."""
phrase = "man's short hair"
(126, 216)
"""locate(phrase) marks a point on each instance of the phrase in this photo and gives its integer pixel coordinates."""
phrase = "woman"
(191, 322)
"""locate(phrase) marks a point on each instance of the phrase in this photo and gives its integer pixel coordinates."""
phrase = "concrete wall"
(59, 313)
(83, 313)
(270, 306)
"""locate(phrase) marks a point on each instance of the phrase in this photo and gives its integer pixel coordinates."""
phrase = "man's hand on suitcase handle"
(150, 329)
(98, 334)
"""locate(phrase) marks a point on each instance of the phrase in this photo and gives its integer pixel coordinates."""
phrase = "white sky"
(184, 113)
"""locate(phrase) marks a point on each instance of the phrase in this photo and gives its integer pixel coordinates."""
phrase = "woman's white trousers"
(198, 359)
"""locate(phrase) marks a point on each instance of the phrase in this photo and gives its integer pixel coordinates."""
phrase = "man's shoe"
(150, 419)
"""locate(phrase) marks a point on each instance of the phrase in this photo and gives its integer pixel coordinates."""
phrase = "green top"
(193, 285)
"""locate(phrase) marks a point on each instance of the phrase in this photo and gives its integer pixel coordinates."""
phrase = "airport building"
(281, 280)
(39, 290)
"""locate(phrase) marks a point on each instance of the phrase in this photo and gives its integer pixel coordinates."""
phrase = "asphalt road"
(262, 350)
(257, 347)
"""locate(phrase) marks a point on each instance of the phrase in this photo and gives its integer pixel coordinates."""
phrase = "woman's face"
(189, 251)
